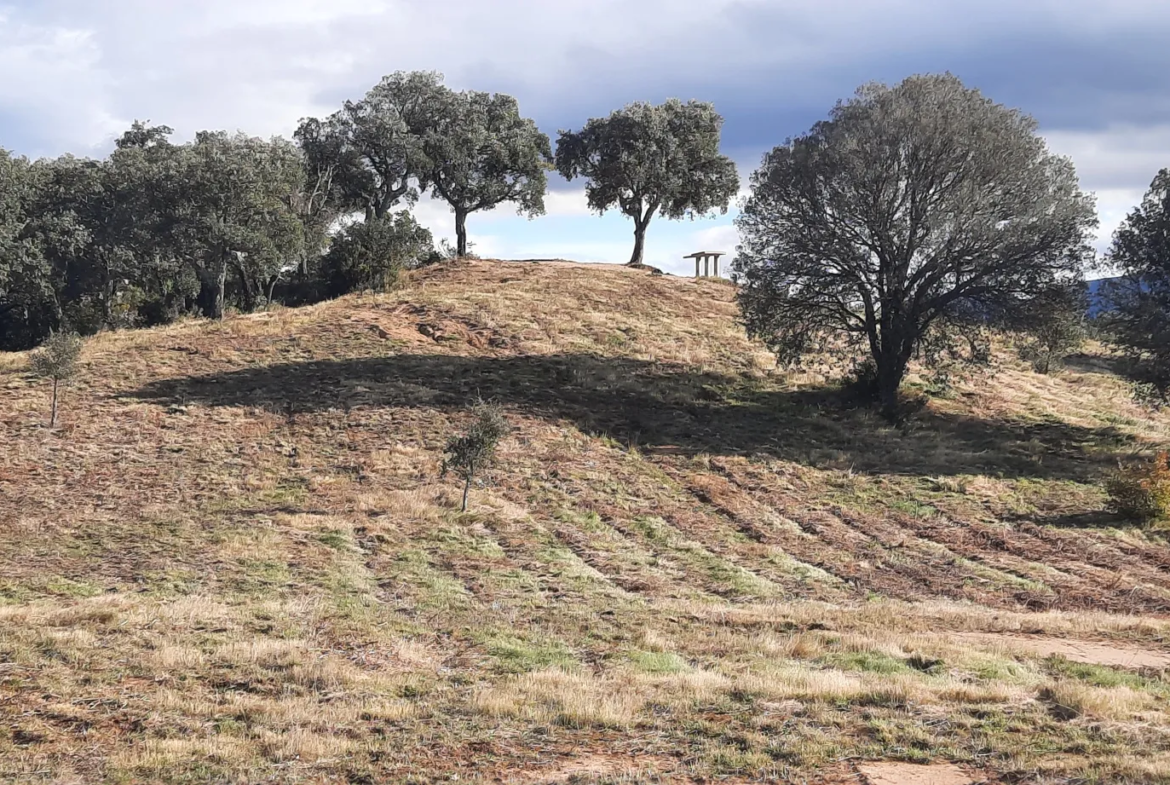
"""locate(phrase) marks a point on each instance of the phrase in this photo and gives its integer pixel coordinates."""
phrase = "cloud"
(77, 72)
(52, 88)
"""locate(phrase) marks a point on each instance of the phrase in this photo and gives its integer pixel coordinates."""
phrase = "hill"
(236, 560)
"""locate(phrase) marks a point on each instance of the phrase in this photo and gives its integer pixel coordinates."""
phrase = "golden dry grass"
(236, 560)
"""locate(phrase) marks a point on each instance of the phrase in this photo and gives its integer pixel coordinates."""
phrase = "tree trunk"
(221, 285)
(460, 233)
(246, 286)
(53, 413)
(891, 371)
(639, 242)
(466, 490)
(211, 291)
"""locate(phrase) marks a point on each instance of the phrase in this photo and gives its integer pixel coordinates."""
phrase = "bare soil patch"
(593, 765)
(1089, 652)
(893, 773)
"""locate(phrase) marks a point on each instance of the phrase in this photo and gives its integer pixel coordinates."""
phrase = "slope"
(236, 561)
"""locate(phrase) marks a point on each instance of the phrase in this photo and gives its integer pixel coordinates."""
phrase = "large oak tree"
(646, 159)
(908, 207)
(480, 152)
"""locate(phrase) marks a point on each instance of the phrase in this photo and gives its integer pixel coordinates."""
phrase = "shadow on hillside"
(1099, 519)
(665, 408)
(1109, 365)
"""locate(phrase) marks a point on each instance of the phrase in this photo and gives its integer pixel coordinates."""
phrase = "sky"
(75, 73)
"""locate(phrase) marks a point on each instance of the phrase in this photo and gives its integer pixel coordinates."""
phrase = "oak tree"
(479, 153)
(909, 207)
(646, 159)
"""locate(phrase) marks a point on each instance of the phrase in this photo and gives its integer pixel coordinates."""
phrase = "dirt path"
(1090, 652)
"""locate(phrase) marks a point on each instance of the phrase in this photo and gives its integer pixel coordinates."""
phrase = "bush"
(371, 254)
(1141, 491)
(1054, 326)
(860, 382)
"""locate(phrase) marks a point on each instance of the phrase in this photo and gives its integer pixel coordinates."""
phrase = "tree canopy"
(237, 217)
(152, 231)
(646, 159)
(370, 150)
(909, 208)
(1140, 297)
(479, 153)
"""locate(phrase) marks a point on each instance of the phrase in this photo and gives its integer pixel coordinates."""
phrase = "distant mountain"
(1098, 302)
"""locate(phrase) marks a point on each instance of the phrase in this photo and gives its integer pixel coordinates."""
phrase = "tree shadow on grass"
(1105, 364)
(1097, 519)
(667, 408)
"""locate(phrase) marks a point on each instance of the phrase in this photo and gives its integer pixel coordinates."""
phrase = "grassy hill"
(236, 560)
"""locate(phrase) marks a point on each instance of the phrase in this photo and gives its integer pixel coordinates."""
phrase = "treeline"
(158, 229)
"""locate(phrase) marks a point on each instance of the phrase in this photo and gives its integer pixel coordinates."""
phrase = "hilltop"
(236, 559)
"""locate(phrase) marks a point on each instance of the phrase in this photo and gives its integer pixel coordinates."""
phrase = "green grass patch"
(658, 662)
(515, 654)
(335, 539)
(868, 661)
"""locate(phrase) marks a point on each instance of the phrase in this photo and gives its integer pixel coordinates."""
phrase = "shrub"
(1141, 491)
(57, 360)
(471, 453)
(371, 254)
(1054, 326)
(860, 382)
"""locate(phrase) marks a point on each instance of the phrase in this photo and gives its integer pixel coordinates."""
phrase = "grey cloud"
(75, 71)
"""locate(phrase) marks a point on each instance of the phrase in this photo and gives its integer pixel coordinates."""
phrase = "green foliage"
(470, 453)
(57, 357)
(1139, 320)
(370, 254)
(1141, 491)
(367, 156)
(1054, 325)
(480, 153)
(410, 133)
(152, 231)
(26, 313)
(646, 159)
(56, 360)
(911, 207)
(236, 217)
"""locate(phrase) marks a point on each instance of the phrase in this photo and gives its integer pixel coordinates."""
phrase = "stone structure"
(710, 261)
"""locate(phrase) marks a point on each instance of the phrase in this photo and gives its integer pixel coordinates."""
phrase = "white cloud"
(1117, 164)
(1116, 156)
(52, 81)
(76, 72)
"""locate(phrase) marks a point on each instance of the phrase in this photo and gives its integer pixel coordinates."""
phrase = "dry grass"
(236, 561)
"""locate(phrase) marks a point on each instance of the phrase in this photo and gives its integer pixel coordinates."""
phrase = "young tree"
(1140, 298)
(647, 159)
(1053, 324)
(910, 206)
(471, 453)
(480, 153)
(57, 360)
